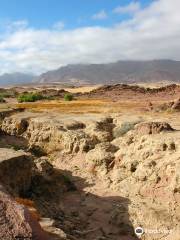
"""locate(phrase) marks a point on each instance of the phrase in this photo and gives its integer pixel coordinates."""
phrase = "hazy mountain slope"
(121, 71)
(15, 78)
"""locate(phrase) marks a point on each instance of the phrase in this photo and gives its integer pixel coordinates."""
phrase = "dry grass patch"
(84, 89)
(84, 106)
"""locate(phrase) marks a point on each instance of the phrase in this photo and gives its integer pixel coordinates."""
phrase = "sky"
(41, 35)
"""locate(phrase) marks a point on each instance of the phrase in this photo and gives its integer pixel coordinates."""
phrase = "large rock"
(16, 222)
(152, 127)
(102, 129)
(15, 170)
(147, 172)
(14, 126)
(101, 157)
(176, 105)
(47, 134)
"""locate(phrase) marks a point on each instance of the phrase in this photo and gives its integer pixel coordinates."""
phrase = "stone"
(176, 105)
(152, 127)
(16, 222)
(15, 170)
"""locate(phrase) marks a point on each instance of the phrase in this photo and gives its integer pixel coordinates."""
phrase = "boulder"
(102, 130)
(101, 157)
(15, 170)
(176, 105)
(14, 126)
(43, 166)
(152, 127)
(16, 222)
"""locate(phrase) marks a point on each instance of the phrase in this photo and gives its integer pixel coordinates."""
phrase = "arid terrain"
(94, 168)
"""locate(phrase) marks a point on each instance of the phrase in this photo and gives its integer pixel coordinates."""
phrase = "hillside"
(15, 78)
(121, 71)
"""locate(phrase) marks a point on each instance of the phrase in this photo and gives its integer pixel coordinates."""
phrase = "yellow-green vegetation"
(2, 99)
(30, 97)
(68, 97)
(81, 106)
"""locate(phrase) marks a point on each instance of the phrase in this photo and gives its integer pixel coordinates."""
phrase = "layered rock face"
(53, 134)
(147, 172)
(15, 170)
(16, 222)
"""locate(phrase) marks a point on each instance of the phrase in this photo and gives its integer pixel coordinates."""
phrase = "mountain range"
(110, 73)
(15, 78)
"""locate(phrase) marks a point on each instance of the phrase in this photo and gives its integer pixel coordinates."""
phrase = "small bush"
(68, 97)
(124, 128)
(30, 97)
(7, 94)
(2, 99)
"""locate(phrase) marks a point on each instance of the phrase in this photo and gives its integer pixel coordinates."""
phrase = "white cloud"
(59, 25)
(131, 8)
(100, 15)
(16, 25)
(151, 33)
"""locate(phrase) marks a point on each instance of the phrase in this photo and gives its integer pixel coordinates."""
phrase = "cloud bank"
(100, 15)
(131, 8)
(151, 33)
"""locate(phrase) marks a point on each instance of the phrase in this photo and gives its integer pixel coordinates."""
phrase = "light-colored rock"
(101, 129)
(101, 157)
(152, 127)
(147, 172)
(14, 126)
(43, 166)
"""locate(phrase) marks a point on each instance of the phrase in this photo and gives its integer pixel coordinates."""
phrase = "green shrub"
(2, 100)
(5, 95)
(30, 97)
(124, 128)
(68, 97)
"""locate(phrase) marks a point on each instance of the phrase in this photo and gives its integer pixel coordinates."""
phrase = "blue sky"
(37, 36)
(74, 13)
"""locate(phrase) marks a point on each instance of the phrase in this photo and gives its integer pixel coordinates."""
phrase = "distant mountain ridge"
(15, 78)
(110, 73)
(118, 72)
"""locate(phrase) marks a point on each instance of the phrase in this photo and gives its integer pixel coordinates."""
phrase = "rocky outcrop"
(146, 171)
(16, 220)
(52, 136)
(101, 157)
(168, 106)
(48, 134)
(152, 127)
(15, 170)
(101, 130)
(14, 126)
(9, 112)
(176, 105)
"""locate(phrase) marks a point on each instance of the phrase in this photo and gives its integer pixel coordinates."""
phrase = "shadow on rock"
(78, 213)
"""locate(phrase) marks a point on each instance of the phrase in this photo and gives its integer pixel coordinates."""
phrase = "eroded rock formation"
(139, 161)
